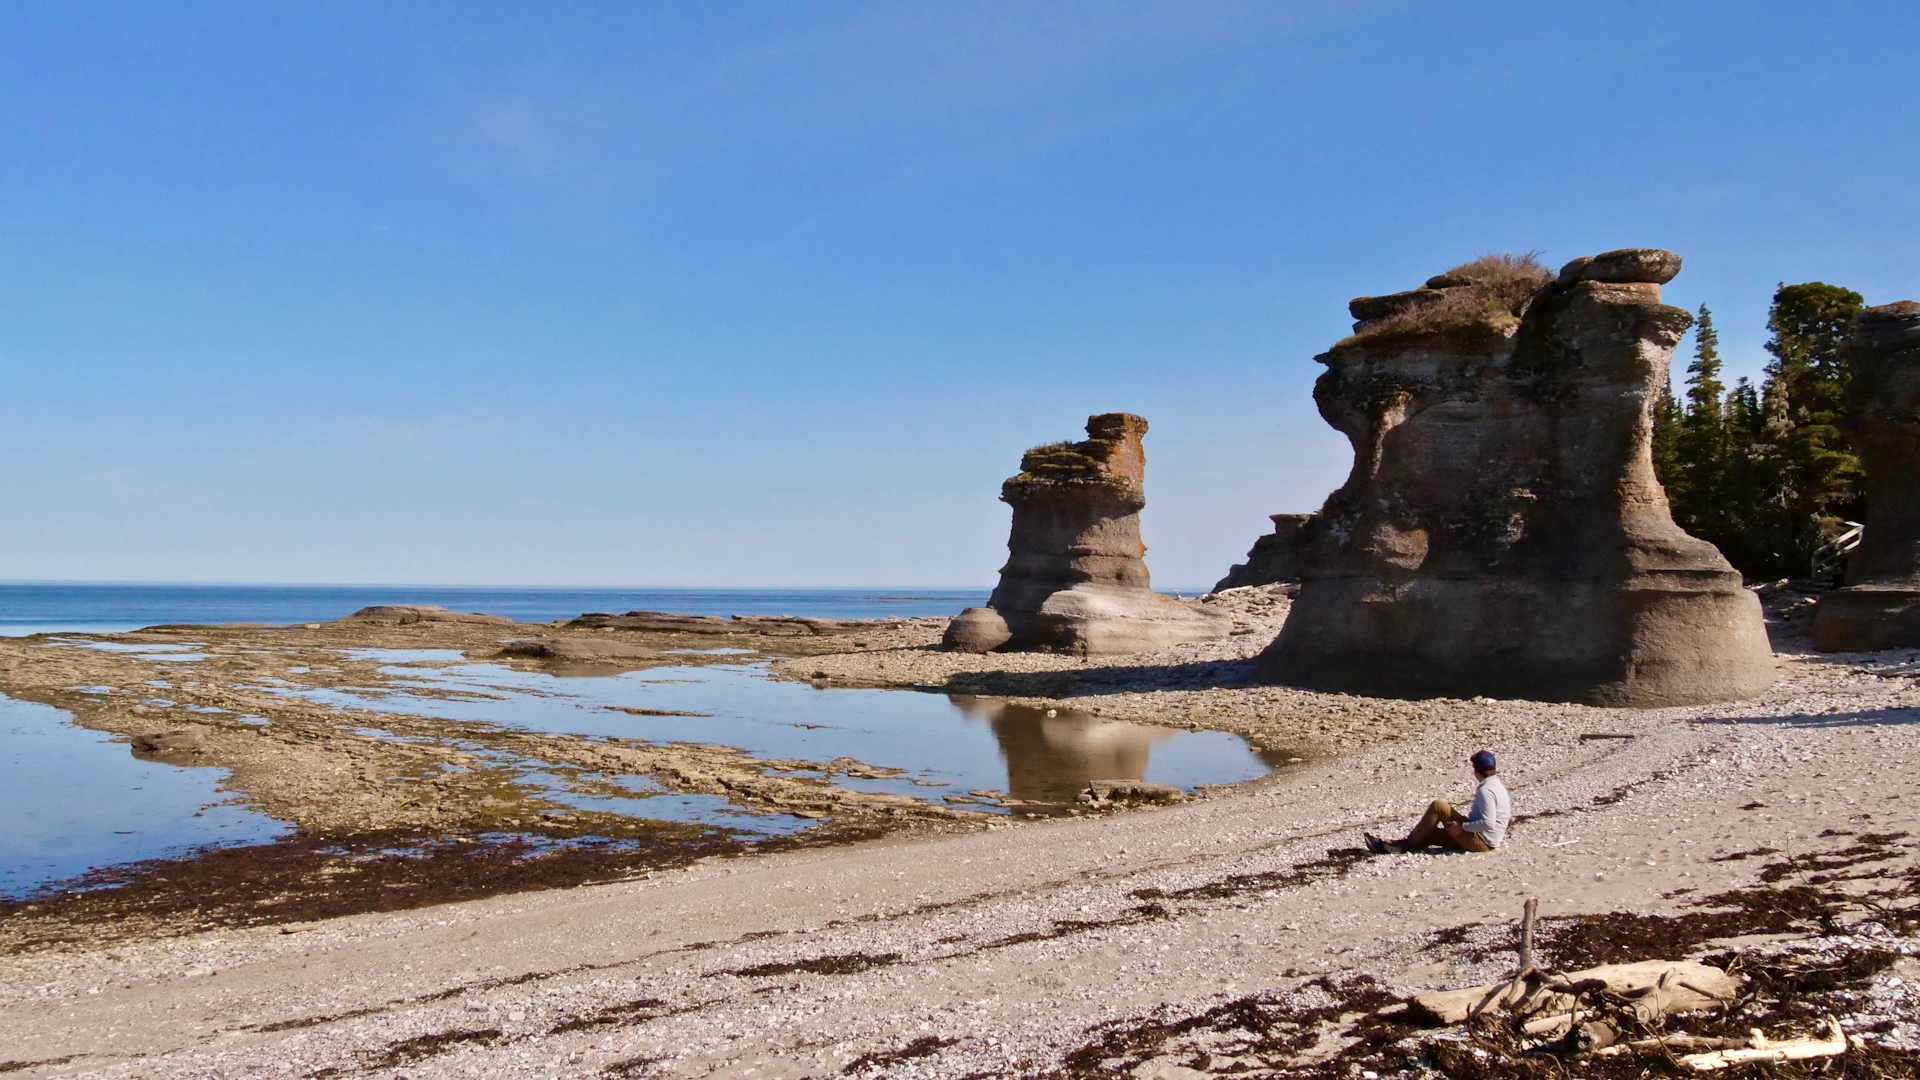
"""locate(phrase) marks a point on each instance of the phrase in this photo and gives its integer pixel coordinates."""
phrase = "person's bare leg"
(1432, 827)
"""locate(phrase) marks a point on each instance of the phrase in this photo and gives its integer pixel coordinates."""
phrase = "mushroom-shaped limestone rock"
(1502, 532)
(1076, 578)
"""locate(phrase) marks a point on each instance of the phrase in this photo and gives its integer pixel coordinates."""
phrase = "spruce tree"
(1746, 488)
(1705, 392)
(1819, 479)
(1700, 443)
(1668, 467)
(1767, 475)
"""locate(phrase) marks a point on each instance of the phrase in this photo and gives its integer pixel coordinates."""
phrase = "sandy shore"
(1035, 947)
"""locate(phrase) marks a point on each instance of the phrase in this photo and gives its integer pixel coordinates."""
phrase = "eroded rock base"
(1106, 619)
(1590, 644)
(1867, 619)
(1880, 607)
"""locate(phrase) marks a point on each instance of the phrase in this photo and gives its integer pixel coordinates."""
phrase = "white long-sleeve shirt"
(1491, 813)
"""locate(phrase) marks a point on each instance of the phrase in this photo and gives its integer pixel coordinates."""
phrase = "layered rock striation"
(1270, 560)
(1502, 533)
(1076, 577)
(1879, 607)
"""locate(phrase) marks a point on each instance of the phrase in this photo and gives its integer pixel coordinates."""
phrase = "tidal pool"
(72, 800)
(945, 746)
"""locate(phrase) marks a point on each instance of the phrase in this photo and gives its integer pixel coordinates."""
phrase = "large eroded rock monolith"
(1880, 606)
(1076, 579)
(1502, 532)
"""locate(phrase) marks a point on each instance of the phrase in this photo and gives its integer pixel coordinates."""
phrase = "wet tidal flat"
(168, 780)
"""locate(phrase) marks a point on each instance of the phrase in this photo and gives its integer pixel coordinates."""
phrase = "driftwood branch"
(1670, 1042)
(1657, 986)
(1760, 1048)
(1719, 1053)
(1515, 989)
(1550, 1002)
(1526, 935)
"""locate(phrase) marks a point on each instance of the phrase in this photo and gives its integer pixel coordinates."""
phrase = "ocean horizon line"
(191, 584)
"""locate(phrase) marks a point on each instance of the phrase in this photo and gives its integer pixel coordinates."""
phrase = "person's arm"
(1480, 815)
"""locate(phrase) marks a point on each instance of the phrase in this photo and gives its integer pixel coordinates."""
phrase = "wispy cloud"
(516, 128)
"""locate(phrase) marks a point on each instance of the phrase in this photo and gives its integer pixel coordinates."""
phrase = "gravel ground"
(995, 953)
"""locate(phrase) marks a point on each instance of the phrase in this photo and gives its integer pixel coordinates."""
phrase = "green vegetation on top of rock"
(1087, 462)
(1487, 295)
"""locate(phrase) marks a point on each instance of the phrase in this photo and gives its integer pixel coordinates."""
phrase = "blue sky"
(776, 293)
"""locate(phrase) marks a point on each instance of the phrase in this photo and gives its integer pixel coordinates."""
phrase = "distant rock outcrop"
(1076, 580)
(667, 622)
(578, 650)
(1880, 606)
(409, 614)
(1502, 532)
(1270, 561)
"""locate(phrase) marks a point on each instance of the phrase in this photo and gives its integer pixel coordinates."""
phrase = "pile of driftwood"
(1597, 1010)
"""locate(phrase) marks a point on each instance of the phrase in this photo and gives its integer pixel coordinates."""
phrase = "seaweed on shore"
(307, 878)
(1333, 1029)
(421, 1047)
(924, 1046)
(838, 964)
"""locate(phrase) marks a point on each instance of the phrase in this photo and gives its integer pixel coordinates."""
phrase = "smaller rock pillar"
(1270, 560)
(1076, 577)
(1880, 606)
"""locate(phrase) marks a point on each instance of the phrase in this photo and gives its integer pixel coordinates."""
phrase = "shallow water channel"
(945, 746)
(75, 800)
(72, 800)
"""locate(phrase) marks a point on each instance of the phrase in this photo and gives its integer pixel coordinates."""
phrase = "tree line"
(1766, 473)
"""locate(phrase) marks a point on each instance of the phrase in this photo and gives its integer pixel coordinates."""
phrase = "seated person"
(1483, 829)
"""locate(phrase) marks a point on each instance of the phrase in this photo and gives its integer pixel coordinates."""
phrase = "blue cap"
(1483, 761)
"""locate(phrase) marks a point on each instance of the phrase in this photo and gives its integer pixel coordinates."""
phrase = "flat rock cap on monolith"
(1370, 308)
(1626, 266)
(1888, 328)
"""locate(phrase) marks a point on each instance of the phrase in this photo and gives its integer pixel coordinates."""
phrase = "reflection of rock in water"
(1050, 759)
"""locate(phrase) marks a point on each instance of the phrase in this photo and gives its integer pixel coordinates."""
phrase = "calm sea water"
(31, 607)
